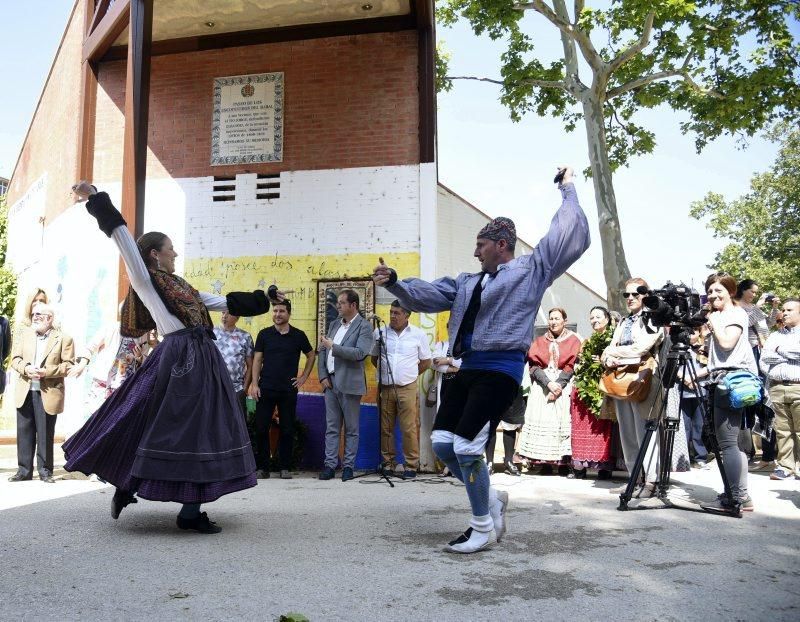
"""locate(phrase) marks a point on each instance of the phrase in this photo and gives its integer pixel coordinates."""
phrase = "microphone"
(374, 318)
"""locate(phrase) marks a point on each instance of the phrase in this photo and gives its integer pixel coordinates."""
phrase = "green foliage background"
(731, 66)
(763, 226)
(8, 282)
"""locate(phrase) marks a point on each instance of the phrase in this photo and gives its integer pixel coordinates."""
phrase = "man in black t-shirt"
(275, 383)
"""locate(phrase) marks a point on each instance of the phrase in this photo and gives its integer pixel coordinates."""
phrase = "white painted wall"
(319, 212)
(338, 211)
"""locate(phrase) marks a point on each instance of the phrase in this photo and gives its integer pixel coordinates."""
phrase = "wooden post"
(88, 105)
(426, 80)
(137, 95)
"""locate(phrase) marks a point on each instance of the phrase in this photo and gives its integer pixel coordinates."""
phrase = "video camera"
(673, 305)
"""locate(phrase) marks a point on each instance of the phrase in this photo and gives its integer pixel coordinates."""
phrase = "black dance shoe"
(511, 469)
(121, 499)
(199, 523)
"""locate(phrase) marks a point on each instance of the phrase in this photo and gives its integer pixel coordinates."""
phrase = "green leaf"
(763, 226)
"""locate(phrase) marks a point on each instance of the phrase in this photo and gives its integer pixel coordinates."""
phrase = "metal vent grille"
(224, 188)
(268, 186)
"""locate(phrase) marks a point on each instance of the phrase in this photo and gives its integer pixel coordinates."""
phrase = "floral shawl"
(180, 298)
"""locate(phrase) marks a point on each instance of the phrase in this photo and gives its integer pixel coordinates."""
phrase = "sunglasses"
(630, 294)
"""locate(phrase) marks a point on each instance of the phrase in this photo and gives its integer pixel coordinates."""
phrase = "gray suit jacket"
(348, 356)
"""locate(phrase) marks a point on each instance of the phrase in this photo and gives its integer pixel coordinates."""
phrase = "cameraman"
(633, 342)
(729, 351)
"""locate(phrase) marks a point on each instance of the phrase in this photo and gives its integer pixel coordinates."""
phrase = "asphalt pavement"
(361, 550)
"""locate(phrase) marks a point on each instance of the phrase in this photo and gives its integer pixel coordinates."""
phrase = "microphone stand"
(382, 355)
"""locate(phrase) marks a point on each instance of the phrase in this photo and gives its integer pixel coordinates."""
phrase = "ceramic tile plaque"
(247, 125)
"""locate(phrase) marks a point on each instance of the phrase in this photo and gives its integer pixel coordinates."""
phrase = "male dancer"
(492, 313)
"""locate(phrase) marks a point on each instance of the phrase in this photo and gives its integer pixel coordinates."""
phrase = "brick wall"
(348, 102)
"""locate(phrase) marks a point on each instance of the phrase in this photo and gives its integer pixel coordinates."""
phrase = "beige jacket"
(643, 343)
(57, 360)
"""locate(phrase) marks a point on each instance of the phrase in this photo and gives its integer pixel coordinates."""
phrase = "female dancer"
(173, 431)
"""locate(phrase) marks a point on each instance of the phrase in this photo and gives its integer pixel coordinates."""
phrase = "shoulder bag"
(630, 382)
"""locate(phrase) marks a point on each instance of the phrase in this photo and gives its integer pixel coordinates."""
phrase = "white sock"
(482, 524)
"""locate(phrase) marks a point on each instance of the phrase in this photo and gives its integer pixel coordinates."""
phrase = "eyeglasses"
(630, 294)
(41, 315)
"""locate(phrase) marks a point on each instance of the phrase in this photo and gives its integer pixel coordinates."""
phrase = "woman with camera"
(633, 343)
(730, 351)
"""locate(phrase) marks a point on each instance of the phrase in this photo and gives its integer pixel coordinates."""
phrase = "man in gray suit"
(341, 372)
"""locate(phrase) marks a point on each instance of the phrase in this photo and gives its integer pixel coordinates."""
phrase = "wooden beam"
(137, 97)
(99, 12)
(272, 35)
(88, 106)
(426, 77)
(114, 21)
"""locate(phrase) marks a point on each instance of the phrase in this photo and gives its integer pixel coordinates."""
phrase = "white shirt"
(741, 355)
(41, 341)
(404, 351)
(337, 339)
(780, 359)
(166, 322)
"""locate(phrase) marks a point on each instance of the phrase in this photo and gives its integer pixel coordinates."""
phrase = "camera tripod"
(677, 359)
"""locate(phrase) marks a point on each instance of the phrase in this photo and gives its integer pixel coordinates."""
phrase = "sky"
(501, 167)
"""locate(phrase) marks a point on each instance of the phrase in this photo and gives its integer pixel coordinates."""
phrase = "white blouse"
(139, 276)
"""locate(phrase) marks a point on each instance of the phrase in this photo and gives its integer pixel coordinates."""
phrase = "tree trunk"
(615, 267)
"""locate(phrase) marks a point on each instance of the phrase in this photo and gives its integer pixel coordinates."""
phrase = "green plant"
(8, 280)
(589, 369)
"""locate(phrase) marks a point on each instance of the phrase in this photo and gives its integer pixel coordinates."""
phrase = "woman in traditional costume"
(174, 430)
(591, 426)
(545, 437)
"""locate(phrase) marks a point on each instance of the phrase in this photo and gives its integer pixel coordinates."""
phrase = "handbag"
(629, 382)
(430, 394)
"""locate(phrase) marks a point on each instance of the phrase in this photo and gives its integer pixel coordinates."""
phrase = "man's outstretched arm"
(415, 294)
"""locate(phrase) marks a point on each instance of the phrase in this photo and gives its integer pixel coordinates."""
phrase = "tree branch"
(544, 84)
(568, 43)
(578, 6)
(682, 73)
(642, 43)
(581, 38)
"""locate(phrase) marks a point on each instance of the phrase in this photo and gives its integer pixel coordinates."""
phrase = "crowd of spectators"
(561, 422)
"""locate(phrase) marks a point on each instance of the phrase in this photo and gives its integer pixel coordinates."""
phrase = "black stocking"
(509, 439)
(490, 444)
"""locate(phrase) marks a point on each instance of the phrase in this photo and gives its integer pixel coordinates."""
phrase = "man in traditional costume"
(492, 314)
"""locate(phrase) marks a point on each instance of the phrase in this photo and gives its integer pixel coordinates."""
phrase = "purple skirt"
(174, 431)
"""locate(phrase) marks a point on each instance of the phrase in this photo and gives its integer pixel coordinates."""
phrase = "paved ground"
(364, 551)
